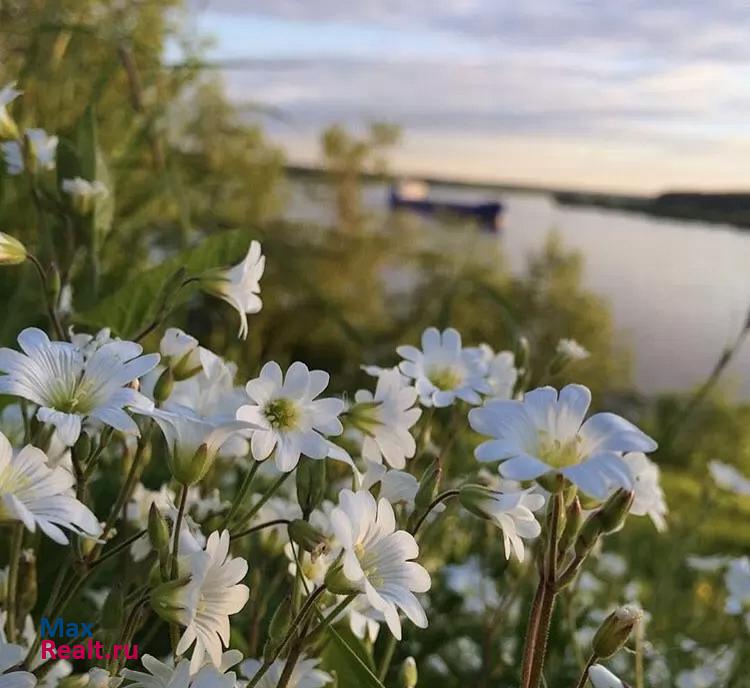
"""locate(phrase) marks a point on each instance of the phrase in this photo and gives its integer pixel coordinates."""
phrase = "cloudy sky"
(631, 95)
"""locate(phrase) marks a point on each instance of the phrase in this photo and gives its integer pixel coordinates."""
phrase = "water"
(679, 291)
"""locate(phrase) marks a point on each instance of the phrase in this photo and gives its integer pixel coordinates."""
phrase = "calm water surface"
(679, 292)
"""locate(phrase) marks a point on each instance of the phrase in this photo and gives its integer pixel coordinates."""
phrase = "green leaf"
(348, 657)
(135, 304)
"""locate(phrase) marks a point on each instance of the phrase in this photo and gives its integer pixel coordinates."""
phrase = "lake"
(679, 291)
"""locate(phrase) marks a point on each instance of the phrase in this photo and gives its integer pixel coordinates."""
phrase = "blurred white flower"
(8, 127)
(729, 478)
(546, 433)
(43, 148)
(512, 512)
(205, 602)
(36, 495)
(377, 558)
(601, 677)
(181, 352)
(443, 370)
(649, 497)
(292, 421)
(478, 590)
(737, 581)
(12, 156)
(70, 388)
(385, 419)
(99, 678)
(707, 564)
(10, 656)
(304, 675)
(571, 350)
(84, 194)
(239, 286)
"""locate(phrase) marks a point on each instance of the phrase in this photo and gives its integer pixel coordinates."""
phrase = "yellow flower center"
(282, 414)
(445, 378)
(559, 454)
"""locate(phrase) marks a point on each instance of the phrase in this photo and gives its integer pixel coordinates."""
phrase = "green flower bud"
(428, 486)
(337, 582)
(158, 530)
(191, 471)
(113, 611)
(12, 251)
(311, 484)
(573, 521)
(81, 450)
(615, 631)
(187, 366)
(588, 534)
(171, 600)
(615, 510)
(164, 386)
(53, 283)
(307, 537)
(407, 675)
(474, 498)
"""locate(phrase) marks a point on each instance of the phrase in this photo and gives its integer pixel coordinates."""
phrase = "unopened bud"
(407, 674)
(171, 601)
(12, 251)
(311, 484)
(588, 534)
(615, 631)
(113, 609)
(188, 470)
(164, 386)
(573, 520)
(615, 510)
(337, 582)
(307, 537)
(522, 354)
(158, 530)
(475, 498)
(428, 486)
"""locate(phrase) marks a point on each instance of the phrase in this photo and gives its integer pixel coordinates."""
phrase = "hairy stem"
(585, 673)
(247, 483)
(16, 545)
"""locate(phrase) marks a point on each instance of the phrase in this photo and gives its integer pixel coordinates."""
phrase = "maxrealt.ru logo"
(75, 640)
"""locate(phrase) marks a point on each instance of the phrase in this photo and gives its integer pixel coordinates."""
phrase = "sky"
(622, 95)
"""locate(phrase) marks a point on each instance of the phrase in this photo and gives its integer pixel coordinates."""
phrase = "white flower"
(239, 286)
(544, 433)
(386, 419)
(443, 370)
(649, 497)
(305, 673)
(36, 495)
(502, 375)
(729, 478)
(377, 558)
(512, 512)
(70, 388)
(99, 678)
(601, 677)
(10, 655)
(181, 352)
(292, 420)
(193, 442)
(707, 564)
(84, 194)
(12, 251)
(163, 675)
(571, 350)
(43, 148)
(8, 128)
(398, 487)
(737, 580)
(204, 604)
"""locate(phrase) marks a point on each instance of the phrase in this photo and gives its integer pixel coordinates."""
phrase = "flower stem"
(51, 312)
(448, 494)
(271, 491)
(585, 673)
(296, 622)
(16, 544)
(261, 526)
(544, 602)
(177, 528)
(385, 662)
(247, 483)
(118, 548)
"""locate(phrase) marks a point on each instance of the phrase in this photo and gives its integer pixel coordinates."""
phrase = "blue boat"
(413, 196)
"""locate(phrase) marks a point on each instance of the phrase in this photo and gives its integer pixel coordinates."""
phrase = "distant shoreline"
(731, 208)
